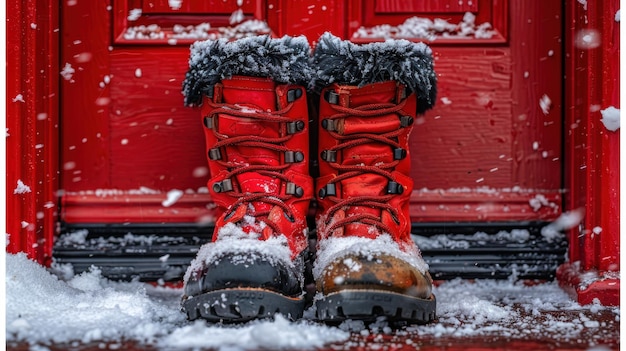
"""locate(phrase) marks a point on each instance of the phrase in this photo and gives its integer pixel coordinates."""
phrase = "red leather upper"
(260, 154)
(367, 125)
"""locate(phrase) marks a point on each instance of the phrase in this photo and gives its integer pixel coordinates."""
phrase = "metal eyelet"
(290, 218)
(293, 189)
(329, 155)
(394, 188)
(329, 125)
(208, 122)
(293, 156)
(406, 121)
(294, 127)
(399, 154)
(294, 94)
(329, 190)
(215, 154)
(223, 186)
(331, 97)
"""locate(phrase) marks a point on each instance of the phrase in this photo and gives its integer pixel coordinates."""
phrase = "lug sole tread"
(242, 305)
(370, 305)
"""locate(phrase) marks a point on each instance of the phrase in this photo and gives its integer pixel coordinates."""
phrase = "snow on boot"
(254, 115)
(367, 265)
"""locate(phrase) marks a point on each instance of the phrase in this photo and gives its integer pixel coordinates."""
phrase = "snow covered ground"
(44, 311)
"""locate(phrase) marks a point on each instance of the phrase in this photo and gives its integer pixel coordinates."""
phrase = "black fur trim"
(286, 60)
(343, 62)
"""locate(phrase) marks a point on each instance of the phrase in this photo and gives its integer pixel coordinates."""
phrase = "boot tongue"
(253, 95)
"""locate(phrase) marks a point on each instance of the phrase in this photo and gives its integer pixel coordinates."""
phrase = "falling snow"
(588, 39)
(611, 118)
(172, 196)
(21, 188)
(567, 220)
(236, 17)
(67, 72)
(134, 14)
(175, 4)
(545, 103)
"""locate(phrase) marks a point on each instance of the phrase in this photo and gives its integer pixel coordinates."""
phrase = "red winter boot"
(367, 265)
(254, 115)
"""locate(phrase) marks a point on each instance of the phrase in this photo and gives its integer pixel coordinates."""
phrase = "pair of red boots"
(258, 95)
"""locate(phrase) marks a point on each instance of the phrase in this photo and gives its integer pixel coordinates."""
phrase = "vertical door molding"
(592, 165)
(32, 117)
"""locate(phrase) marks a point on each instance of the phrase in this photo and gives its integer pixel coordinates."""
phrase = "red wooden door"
(490, 150)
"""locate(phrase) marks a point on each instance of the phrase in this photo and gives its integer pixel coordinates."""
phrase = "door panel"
(490, 150)
(368, 15)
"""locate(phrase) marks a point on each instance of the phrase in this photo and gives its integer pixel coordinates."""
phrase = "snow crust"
(333, 248)
(42, 310)
(81, 239)
(279, 334)
(201, 31)
(462, 241)
(231, 239)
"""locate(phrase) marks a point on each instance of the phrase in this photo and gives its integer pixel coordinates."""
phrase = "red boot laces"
(236, 168)
(348, 171)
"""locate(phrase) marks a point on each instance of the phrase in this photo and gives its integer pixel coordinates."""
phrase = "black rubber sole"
(242, 305)
(370, 305)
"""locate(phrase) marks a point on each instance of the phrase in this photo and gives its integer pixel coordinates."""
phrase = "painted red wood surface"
(117, 124)
(592, 81)
(32, 122)
(487, 134)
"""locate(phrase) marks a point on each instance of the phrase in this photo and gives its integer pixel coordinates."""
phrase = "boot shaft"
(257, 149)
(256, 124)
(255, 120)
(364, 160)
(369, 97)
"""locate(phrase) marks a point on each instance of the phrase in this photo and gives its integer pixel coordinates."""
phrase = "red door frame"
(592, 151)
(591, 165)
(32, 144)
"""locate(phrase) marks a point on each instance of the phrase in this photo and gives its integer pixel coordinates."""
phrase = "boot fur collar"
(343, 62)
(286, 60)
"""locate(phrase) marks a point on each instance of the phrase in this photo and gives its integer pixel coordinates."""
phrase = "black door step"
(465, 250)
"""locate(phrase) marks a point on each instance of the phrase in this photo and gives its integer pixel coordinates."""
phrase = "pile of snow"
(232, 239)
(42, 310)
(201, 31)
(425, 28)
